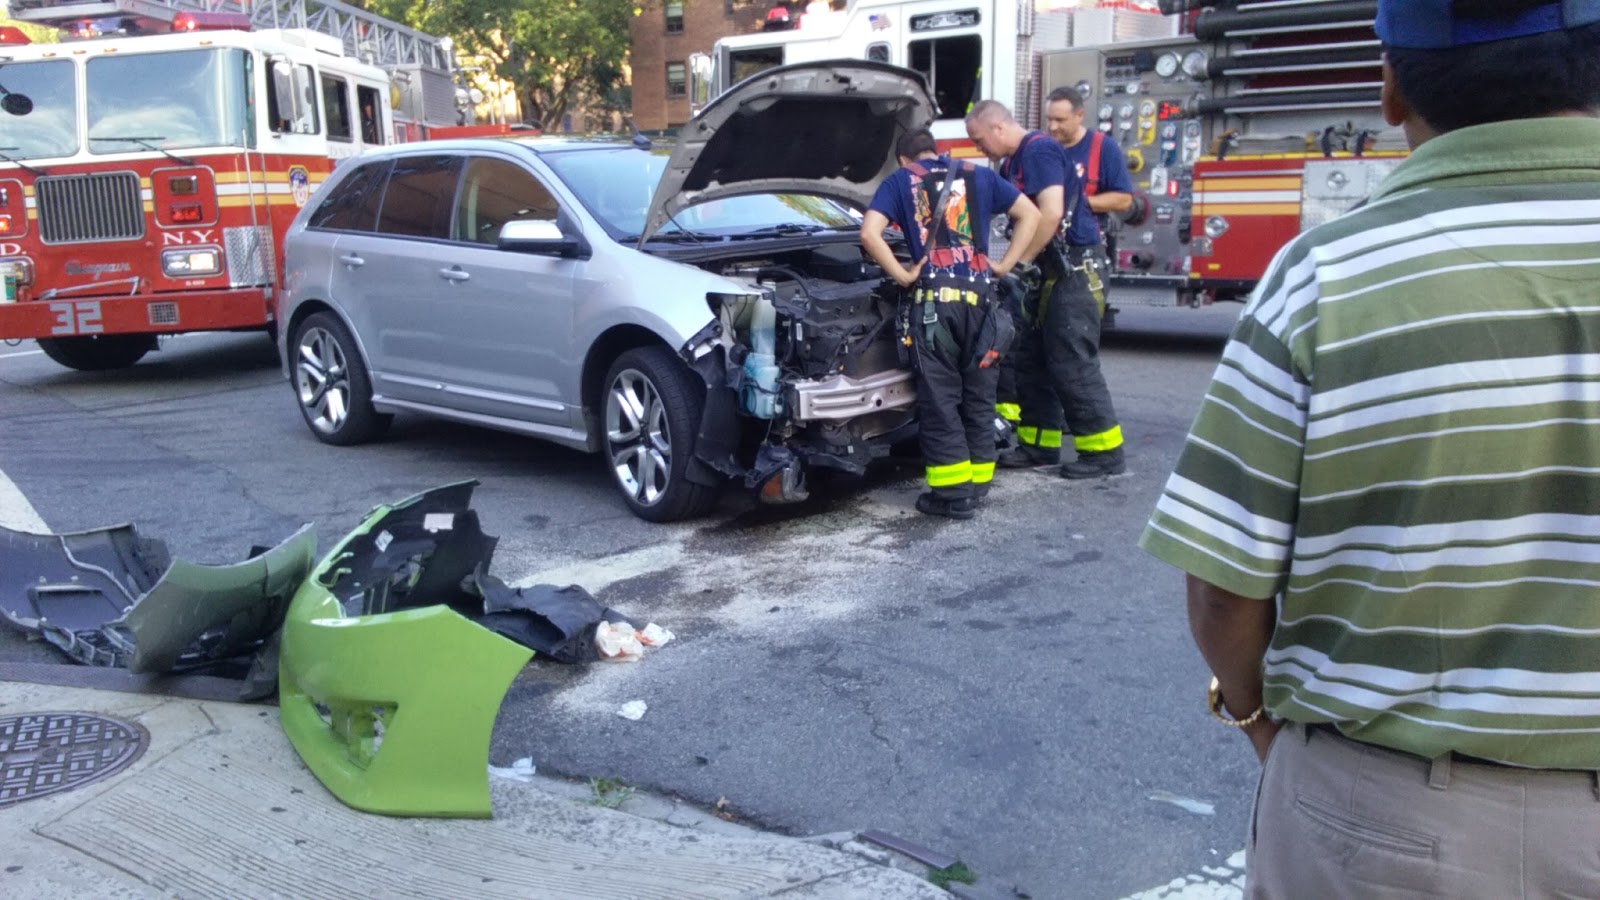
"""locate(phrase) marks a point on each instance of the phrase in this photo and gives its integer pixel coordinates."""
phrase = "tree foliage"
(558, 53)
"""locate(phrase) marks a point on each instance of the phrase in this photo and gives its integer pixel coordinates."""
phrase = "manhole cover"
(48, 753)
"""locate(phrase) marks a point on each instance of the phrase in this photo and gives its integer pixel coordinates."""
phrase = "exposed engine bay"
(810, 363)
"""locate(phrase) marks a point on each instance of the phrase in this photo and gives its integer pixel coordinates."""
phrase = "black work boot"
(935, 505)
(1026, 457)
(1095, 465)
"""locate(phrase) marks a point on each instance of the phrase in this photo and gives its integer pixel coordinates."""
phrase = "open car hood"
(823, 128)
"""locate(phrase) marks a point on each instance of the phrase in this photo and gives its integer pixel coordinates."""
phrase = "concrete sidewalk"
(219, 805)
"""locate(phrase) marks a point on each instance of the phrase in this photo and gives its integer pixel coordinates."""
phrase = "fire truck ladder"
(367, 37)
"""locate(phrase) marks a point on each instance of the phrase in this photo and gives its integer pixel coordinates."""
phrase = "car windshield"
(616, 186)
(49, 128)
(192, 98)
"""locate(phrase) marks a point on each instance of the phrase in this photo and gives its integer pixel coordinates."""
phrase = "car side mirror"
(540, 236)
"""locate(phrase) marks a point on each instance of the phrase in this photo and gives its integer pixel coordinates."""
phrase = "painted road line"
(1219, 882)
(16, 513)
(22, 353)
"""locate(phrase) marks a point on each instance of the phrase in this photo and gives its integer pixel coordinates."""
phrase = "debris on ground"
(521, 770)
(654, 635)
(633, 710)
(1187, 804)
(110, 598)
(618, 642)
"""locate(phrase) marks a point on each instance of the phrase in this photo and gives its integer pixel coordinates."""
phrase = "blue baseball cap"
(1430, 25)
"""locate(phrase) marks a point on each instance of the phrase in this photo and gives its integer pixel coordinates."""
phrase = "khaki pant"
(1336, 818)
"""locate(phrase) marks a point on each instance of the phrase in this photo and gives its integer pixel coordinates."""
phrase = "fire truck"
(151, 161)
(1261, 120)
(1243, 122)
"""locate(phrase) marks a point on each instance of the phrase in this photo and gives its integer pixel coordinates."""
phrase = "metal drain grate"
(54, 752)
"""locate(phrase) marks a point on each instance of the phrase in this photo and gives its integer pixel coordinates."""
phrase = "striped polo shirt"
(1402, 446)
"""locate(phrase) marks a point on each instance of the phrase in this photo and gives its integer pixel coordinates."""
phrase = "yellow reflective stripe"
(982, 473)
(1110, 439)
(1011, 412)
(1050, 439)
(1027, 434)
(951, 475)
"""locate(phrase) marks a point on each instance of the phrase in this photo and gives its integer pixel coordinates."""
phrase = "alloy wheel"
(322, 379)
(637, 437)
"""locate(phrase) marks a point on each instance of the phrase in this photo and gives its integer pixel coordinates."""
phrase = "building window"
(677, 80)
(674, 16)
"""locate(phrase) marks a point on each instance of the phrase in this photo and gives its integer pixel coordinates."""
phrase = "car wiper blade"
(784, 230)
(675, 237)
(148, 142)
(14, 161)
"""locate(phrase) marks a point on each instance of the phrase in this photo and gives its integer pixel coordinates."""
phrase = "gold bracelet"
(1214, 703)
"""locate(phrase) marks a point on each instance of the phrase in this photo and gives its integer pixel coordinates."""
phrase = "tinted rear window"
(353, 203)
(420, 197)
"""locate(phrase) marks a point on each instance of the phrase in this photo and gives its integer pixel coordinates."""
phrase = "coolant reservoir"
(759, 396)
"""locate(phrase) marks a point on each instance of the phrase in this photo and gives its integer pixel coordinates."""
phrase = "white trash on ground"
(633, 710)
(521, 770)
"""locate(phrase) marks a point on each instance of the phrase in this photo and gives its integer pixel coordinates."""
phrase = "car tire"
(100, 352)
(331, 384)
(650, 415)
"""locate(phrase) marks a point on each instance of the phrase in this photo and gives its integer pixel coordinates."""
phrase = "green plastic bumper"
(392, 711)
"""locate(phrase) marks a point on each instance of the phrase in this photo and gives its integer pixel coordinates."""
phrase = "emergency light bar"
(211, 21)
(11, 34)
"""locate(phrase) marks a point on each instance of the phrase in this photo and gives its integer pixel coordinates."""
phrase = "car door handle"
(352, 260)
(455, 274)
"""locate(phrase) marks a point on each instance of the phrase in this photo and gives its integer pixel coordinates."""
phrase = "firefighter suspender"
(1091, 175)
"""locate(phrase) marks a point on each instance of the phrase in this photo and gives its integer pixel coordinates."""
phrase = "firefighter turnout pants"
(955, 396)
(1059, 385)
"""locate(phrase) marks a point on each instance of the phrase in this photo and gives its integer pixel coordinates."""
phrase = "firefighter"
(1101, 163)
(955, 329)
(1059, 382)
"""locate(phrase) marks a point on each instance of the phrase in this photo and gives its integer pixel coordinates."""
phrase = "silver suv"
(698, 318)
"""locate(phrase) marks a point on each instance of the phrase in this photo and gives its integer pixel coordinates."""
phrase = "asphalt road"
(1013, 690)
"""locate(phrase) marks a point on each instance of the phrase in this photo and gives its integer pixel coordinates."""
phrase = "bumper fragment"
(386, 692)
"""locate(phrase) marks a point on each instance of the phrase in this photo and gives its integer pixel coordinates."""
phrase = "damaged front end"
(388, 690)
(803, 367)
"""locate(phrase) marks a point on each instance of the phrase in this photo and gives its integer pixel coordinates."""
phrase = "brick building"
(663, 35)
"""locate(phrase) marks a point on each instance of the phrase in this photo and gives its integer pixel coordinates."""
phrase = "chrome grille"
(104, 206)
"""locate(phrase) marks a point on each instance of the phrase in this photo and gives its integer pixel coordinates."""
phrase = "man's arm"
(1232, 633)
(1025, 224)
(1049, 203)
(1110, 202)
(872, 226)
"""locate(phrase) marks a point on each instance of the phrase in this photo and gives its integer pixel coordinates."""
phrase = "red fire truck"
(1261, 120)
(1244, 124)
(150, 162)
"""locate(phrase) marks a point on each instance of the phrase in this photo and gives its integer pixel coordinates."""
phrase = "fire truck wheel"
(100, 352)
(652, 408)
(331, 383)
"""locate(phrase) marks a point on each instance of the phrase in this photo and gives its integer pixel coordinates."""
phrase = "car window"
(352, 205)
(497, 191)
(419, 197)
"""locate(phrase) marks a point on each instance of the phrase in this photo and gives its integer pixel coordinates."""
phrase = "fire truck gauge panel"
(1167, 65)
(1194, 64)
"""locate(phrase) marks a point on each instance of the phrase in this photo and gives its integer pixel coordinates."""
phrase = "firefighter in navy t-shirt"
(1103, 166)
(1058, 379)
(944, 216)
